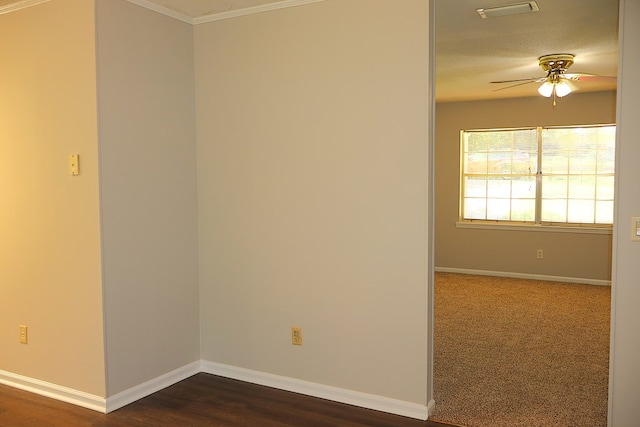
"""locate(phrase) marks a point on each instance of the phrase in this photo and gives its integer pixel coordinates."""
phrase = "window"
(553, 176)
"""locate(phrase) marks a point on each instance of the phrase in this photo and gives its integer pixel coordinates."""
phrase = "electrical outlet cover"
(296, 336)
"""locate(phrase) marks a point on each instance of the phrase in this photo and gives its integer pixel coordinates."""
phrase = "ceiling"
(471, 51)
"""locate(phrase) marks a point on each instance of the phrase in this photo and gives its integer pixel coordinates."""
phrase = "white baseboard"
(54, 391)
(149, 387)
(336, 394)
(431, 406)
(100, 404)
(563, 279)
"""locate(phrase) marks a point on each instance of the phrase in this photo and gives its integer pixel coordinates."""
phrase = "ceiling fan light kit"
(546, 89)
(563, 88)
(557, 82)
(556, 62)
(554, 84)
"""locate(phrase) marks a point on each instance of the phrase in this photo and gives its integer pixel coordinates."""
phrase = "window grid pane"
(500, 167)
(576, 174)
(578, 162)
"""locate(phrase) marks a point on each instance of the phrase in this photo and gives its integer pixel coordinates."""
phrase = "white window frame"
(537, 224)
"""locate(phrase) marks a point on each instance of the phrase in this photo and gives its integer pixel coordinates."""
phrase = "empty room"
(185, 183)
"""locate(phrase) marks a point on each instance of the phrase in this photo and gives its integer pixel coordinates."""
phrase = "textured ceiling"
(471, 51)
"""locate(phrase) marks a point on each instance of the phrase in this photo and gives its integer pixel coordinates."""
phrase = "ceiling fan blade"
(530, 80)
(584, 77)
(517, 84)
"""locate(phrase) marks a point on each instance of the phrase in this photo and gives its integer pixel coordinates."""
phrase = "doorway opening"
(562, 256)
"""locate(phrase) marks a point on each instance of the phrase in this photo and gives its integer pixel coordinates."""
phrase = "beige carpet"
(515, 352)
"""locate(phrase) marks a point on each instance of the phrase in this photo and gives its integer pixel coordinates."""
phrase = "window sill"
(489, 225)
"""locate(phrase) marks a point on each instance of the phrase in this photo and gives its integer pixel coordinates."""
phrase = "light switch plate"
(74, 164)
(23, 334)
(635, 228)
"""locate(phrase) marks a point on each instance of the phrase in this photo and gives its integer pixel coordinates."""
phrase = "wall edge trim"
(53, 391)
(110, 404)
(147, 388)
(252, 10)
(12, 7)
(162, 10)
(336, 394)
(564, 279)
(431, 406)
(217, 16)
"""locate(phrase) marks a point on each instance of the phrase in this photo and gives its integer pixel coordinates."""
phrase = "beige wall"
(50, 275)
(148, 192)
(571, 255)
(336, 122)
(312, 153)
(625, 353)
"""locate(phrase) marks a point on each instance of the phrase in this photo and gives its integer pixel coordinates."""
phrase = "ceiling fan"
(557, 82)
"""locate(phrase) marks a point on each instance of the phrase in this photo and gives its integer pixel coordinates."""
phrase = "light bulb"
(562, 89)
(546, 89)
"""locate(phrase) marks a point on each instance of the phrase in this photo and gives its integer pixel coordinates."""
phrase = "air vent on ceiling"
(510, 9)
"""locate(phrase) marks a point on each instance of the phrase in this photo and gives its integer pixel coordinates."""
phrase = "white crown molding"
(220, 16)
(54, 391)
(23, 4)
(251, 10)
(163, 10)
(336, 394)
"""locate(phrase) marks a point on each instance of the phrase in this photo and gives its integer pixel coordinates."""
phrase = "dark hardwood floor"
(202, 400)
